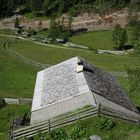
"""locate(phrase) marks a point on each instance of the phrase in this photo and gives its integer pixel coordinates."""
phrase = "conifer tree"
(36, 6)
(40, 25)
(135, 33)
(119, 37)
(17, 23)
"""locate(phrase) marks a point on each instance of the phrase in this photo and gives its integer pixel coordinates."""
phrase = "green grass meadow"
(94, 40)
(134, 96)
(98, 39)
(54, 55)
(17, 79)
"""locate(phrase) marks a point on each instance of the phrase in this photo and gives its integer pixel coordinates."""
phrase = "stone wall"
(61, 107)
(18, 101)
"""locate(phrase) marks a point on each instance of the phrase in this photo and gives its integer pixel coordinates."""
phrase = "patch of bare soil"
(90, 21)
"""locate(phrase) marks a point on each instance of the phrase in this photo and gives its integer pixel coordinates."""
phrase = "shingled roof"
(105, 85)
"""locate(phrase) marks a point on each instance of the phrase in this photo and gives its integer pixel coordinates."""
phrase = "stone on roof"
(60, 82)
(106, 85)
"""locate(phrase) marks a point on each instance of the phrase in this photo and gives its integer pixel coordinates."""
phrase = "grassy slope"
(55, 55)
(6, 31)
(97, 40)
(107, 62)
(16, 74)
(94, 40)
(16, 78)
(134, 96)
(7, 114)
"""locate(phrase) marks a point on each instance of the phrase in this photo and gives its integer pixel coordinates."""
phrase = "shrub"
(17, 23)
(61, 134)
(2, 103)
(58, 134)
(76, 132)
(32, 32)
(105, 123)
(134, 78)
(119, 37)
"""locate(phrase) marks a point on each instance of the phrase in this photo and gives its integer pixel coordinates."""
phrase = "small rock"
(95, 137)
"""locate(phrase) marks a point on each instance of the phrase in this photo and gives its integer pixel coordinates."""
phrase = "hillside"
(14, 74)
(48, 8)
(87, 20)
(22, 84)
(37, 34)
(93, 16)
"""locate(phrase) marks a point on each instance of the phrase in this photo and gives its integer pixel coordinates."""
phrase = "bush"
(134, 78)
(61, 134)
(73, 12)
(127, 47)
(2, 103)
(76, 132)
(119, 37)
(58, 134)
(105, 123)
(32, 32)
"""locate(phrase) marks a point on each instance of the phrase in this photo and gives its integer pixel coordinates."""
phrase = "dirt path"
(43, 44)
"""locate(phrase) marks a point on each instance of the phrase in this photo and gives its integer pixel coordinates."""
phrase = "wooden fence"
(54, 123)
(67, 119)
(119, 114)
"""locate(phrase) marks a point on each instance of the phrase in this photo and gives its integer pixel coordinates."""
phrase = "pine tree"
(135, 33)
(53, 29)
(10, 7)
(47, 7)
(36, 6)
(119, 37)
(3, 8)
(61, 6)
(17, 23)
(115, 36)
(40, 25)
(123, 38)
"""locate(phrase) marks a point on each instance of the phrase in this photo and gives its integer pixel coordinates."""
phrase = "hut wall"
(107, 103)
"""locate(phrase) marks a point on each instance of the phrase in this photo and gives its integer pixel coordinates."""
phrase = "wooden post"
(138, 122)
(49, 126)
(99, 109)
(11, 137)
